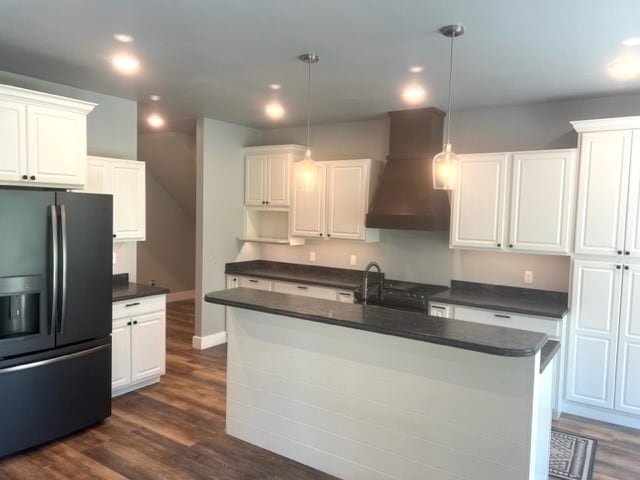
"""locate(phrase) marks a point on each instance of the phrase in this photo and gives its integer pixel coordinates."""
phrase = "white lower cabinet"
(603, 368)
(138, 342)
(552, 327)
(292, 288)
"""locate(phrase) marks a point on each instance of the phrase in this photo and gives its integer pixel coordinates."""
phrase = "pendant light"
(445, 163)
(308, 170)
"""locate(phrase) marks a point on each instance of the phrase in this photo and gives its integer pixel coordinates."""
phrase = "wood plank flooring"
(175, 430)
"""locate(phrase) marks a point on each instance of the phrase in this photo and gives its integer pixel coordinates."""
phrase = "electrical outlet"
(312, 256)
(528, 276)
(353, 259)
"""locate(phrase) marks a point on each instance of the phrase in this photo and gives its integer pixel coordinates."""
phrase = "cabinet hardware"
(510, 245)
(114, 235)
(132, 304)
(437, 307)
(499, 244)
(253, 281)
(618, 267)
(619, 252)
(302, 287)
(32, 177)
(344, 294)
(135, 322)
(24, 177)
(320, 234)
(626, 267)
(128, 323)
(499, 315)
(627, 252)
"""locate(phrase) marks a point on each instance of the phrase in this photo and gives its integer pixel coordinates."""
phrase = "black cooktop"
(403, 295)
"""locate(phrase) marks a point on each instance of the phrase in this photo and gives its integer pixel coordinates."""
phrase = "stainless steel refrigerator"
(55, 314)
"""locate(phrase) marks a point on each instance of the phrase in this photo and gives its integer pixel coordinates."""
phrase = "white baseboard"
(200, 343)
(177, 296)
(602, 415)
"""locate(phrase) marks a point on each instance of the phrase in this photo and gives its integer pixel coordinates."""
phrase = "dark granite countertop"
(122, 289)
(549, 351)
(543, 303)
(418, 326)
(293, 272)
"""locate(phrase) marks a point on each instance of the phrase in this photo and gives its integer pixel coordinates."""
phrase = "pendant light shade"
(445, 164)
(308, 172)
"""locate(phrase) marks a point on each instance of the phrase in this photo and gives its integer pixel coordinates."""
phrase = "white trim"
(602, 415)
(177, 296)
(201, 343)
(603, 124)
(290, 148)
(134, 386)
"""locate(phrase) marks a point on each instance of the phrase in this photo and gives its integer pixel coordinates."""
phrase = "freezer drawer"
(52, 397)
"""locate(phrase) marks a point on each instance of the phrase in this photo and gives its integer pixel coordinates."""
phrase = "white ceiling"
(216, 58)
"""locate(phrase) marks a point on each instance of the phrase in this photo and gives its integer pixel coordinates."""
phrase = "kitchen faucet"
(365, 282)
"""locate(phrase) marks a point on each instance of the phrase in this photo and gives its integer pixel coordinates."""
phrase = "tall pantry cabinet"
(603, 374)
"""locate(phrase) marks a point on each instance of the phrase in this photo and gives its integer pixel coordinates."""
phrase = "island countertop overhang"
(417, 326)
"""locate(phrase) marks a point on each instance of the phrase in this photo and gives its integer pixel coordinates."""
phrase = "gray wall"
(425, 256)
(111, 132)
(219, 212)
(168, 254)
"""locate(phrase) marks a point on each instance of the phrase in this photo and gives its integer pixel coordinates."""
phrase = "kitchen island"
(374, 393)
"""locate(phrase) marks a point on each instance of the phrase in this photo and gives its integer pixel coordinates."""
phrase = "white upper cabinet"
(43, 139)
(126, 181)
(479, 201)
(518, 201)
(337, 207)
(608, 215)
(267, 174)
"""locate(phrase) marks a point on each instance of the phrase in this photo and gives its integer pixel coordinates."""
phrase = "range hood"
(405, 198)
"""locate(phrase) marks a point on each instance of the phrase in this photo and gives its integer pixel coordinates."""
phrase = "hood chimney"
(405, 198)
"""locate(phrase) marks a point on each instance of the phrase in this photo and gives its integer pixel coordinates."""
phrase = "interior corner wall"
(219, 213)
(112, 131)
(425, 256)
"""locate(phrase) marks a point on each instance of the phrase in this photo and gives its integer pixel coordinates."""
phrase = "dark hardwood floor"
(175, 430)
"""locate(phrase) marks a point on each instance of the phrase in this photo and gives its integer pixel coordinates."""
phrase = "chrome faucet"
(365, 282)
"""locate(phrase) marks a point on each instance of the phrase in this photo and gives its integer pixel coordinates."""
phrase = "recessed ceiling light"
(414, 94)
(155, 120)
(123, 37)
(154, 98)
(275, 86)
(631, 42)
(126, 64)
(626, 68)
(274, 111)
(416, 69)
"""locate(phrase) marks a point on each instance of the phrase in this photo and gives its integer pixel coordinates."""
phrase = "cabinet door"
(593, 332)
(478, 210)
(628, 364)
(602, 192)
(13, 143)
(541, 192)
(346, 199)
(147, 346)
(277, 180)
(632, 235)
(129, 203)
(308, 208)
(57, 146)
(254, 183)
(121, 353)
(98, 177)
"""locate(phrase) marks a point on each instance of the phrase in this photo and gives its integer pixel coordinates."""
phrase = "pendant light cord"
(450, 88)
(309, 107)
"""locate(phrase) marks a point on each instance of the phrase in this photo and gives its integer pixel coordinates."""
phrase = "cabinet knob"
(128, 323)
(328, 234)
(626, 267)
(32, 177)
(114, 235)
(135, 322)
(499, 244)
(320, 234)
(618, 267)
(24, 177)
(510, 245)
(619, 252)
(267, 202)
(627, 252)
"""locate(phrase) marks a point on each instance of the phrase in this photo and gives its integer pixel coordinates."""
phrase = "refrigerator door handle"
(54, 269)
(65, 253)
(27, 366)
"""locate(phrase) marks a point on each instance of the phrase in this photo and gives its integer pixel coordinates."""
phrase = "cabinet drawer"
(138, 306)
(305, 290)
(257, 283)
(511, 320)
